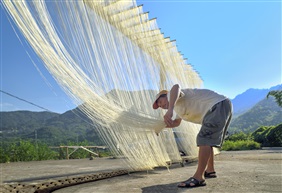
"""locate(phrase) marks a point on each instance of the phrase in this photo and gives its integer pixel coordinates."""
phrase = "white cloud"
(8, 107)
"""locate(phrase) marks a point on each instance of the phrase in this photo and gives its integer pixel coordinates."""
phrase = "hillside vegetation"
(264, 136)
(50, 128)
(266, 113)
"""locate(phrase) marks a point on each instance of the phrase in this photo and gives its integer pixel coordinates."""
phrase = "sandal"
(191, 183)
(210, 175)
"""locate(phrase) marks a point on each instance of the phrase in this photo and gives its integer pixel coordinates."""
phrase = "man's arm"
(175, 123)
(174, 94)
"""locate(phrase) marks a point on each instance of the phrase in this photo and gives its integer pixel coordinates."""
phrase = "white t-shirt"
(193, 104)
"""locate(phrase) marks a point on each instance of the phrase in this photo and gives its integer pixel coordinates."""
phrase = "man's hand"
(167, 118)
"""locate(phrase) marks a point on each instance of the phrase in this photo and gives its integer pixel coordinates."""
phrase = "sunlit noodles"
(111, 59)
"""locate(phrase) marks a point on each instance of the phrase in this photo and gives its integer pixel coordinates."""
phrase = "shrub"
(269, 136)
(240, 136)
(240, 145)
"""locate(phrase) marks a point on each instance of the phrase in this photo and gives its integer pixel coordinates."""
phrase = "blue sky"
(234, 45)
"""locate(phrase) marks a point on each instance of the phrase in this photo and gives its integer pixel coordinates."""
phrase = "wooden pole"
(67, 151)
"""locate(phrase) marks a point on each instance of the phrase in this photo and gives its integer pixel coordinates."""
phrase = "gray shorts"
(215, 124)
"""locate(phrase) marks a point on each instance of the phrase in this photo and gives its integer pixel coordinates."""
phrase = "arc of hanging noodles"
(187, 76)
(114, 113)
(157, 54)
(144, 26)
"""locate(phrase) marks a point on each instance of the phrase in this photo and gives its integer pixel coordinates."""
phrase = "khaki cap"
(155, 105)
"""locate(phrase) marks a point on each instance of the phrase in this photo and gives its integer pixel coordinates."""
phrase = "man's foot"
(191, 183)
(210, 175)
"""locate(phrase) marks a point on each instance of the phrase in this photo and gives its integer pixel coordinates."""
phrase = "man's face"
(163, 102)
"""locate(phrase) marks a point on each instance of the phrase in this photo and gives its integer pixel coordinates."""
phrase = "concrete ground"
(238, 171)
(37, 171)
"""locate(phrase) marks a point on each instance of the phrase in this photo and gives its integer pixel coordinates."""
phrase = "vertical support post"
(67, 152)
(62, 151)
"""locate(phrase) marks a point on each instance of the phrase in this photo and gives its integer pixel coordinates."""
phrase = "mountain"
(51, 128)
(245, 101)
(23, 121)
(264, 113)
(251, 109)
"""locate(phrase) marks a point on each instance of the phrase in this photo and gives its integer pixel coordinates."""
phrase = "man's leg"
(210, 166)
(205, 152)
(203, 158)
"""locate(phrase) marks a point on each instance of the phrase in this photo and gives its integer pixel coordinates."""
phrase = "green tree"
(25, 150)
(43, 152)
(278, 96)
(274, 136)
(269, 136)
(3, 155)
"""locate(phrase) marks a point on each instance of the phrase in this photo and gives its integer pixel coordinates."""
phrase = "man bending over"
(201, 106)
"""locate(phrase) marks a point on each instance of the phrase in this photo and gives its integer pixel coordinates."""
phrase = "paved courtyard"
(238, 171)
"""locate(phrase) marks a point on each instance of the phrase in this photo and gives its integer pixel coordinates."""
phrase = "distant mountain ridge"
(51, 128)
(245, 101)
(251, 108)
(264, 113)
(24, 120)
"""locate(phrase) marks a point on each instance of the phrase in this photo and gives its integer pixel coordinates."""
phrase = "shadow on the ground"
(163, 188)
(166, 188)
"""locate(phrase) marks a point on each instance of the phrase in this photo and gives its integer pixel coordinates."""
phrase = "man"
(201, 106)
